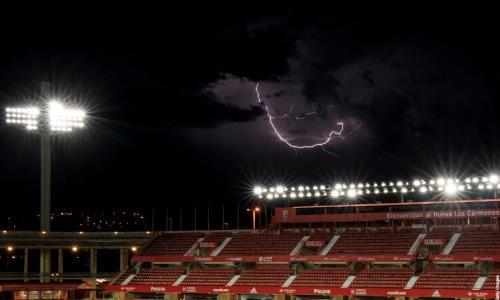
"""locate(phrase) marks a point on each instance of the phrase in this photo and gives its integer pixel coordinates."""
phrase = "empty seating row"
(272, 275)
(374, 243)
(261, 244)
(491, 281)
(321, 277)
(209, 276)
(448, 279)
(384, 278)
(157, 276)
(477, 242)
(172, 244)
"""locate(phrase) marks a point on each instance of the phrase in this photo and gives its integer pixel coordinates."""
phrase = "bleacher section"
(383, 278)
(323, 238)
(374, 243)
(266, 244)
(448, 279)
(477, 242)
(157, 276)
(209, 276)
(491, 281)
(439, 234)
(262, 275)
(173, 244)
(124, 276)
(321, 277)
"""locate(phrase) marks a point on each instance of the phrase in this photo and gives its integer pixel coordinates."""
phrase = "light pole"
(254, 211)
(46, 119)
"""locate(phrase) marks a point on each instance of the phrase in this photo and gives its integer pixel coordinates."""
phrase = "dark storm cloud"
(187, 109)
(424, 89)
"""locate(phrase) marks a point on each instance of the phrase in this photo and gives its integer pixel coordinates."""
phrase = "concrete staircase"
(451, 243)
(416, 244)
(221, 247)
(128, 279)
(479, 283)
(233, 280)
(348, 281)
(289, 281)
(299, 246)
(194, 247)
(330, 245)
(179, 280)
(411, 282)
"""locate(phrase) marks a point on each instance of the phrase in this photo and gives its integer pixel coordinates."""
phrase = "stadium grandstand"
(445, 249)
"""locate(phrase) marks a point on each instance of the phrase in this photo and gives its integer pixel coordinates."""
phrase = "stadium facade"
(446, 249)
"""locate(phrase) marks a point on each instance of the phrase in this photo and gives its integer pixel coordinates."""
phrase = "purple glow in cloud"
(332, 134)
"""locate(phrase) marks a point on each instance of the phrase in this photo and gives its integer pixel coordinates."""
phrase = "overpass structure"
(51, 275)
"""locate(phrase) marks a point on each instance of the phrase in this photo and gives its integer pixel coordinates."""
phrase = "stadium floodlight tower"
(48, 118)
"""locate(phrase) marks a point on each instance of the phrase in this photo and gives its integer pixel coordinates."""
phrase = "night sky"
(174, 119)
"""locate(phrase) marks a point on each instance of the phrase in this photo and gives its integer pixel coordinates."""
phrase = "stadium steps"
(233, 280)
(179, 280)
(194, 247)
(128, 279)
(453, 240)
(411, 282)
(348, 281)
(299, 246)
(289, 281)
(416, 244)
(221, 247)
(330, 245)
(479, 283)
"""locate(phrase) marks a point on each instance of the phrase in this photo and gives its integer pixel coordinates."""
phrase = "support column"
(26, 263)
(44, 265)
(123, 259)
(45, 162)
(93, 271)
(60, 263)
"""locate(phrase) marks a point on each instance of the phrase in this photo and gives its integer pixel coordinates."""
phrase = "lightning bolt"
(332, 134)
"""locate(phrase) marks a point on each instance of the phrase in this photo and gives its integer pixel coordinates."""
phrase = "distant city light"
(74, 249)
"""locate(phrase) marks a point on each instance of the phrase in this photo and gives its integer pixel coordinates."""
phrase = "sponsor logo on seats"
(430, 242)
(253, 291)
(157, 289)
(234, 258)
(366, 258)
(401, 258)
(221, 290)
(203, 258)
(396, 293)
(358, 292)
(265, 258)
(127, 288)
(482, 258)
(189, 289)
(478, 294)
(288, 291)
(315, 243)
(321, 291)
(208, 244)
(436, 294)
